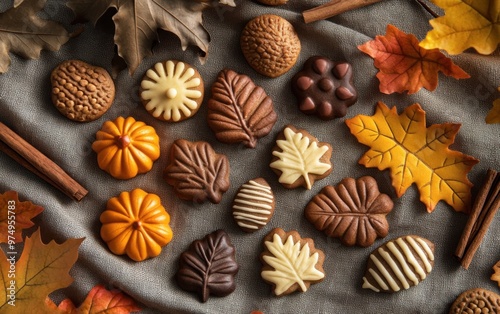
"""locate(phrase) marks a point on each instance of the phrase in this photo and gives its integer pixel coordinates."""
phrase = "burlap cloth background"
(25, 106)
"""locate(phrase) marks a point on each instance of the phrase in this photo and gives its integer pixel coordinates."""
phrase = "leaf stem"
(427, 8)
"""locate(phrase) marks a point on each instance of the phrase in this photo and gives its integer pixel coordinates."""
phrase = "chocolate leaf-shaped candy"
(239, 111)
(353, 211)
(208, 266)
(399, 264)
(197, 172)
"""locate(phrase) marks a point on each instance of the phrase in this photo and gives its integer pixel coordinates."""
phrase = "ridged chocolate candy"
(399, 264)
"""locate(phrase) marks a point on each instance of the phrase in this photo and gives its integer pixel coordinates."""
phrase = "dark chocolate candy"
(208, 266)
(325, 88)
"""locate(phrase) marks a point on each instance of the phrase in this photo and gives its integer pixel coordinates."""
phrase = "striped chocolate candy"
(253, 205)
(399, 264)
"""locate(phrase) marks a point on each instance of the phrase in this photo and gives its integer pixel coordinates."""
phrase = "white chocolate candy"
(399, 264)
(172, 91)
(253, 205)
(293, 263)
(301, 159)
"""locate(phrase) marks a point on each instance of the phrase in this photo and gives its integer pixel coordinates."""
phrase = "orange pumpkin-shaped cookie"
(135, 223)
(126, 147)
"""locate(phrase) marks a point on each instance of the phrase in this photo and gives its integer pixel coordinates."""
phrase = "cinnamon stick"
(32, 159)
(483, 212)
(333, 8)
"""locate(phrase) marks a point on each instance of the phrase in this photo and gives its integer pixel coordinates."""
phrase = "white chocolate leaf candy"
(172, 91)
(291, 263)
(299, 158)
(399, 264)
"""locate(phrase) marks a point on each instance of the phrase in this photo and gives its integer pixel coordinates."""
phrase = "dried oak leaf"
(40, 270)
(354, 210)
(15, 216)
(197, 172)
(24, 33)
(494, 114)
(239, 111)
(416, 154)
(101, 300)
(496, 274)
(466, 24)
(208, 266)
(137, 21)
(404, 65)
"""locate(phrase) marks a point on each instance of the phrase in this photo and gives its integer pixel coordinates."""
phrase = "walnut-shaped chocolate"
(325, 88)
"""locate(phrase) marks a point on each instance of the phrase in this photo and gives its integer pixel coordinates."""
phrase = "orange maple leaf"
(416, 154)
(40, 270)
(15, 216)
(100, 300)
(404, 65)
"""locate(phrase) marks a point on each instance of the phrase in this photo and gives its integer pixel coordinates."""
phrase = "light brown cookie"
(172, 90)
(476, 300)
(270, 45)
(253, 205)
(290, 263)
(399, 264)
(80, 91)
(299, 159)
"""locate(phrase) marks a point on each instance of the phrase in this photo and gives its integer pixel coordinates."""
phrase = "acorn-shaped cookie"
(399, 264)
(253, 205)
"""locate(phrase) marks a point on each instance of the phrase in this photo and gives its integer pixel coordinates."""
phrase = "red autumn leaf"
(15, 216)
(404, 65)
(101, 300)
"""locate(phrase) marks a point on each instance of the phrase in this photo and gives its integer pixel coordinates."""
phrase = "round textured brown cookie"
(270, 45)
(80, 91)
(290, 263)
(172, 90)
(253, 205)
(273, 2)
(476, 300)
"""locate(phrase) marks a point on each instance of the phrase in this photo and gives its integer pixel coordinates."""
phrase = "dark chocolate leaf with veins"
(239, 111)
(197, 172)
(25, 34)
(354, 211)
(137, 21)
(209, 266)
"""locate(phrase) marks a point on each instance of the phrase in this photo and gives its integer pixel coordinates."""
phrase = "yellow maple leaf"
(466, 23)
(41, 269)
(416, 154)
(494, 114)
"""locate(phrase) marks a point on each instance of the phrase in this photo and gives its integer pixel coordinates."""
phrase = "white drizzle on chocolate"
(253, 205)
(399, 264)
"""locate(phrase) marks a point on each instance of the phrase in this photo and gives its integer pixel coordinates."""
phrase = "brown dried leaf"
(137, 21)
(24, 33)
(354, 211)
(239, 111)
(197, 172)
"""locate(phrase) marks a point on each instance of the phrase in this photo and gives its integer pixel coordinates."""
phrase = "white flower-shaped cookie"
(172, 91)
